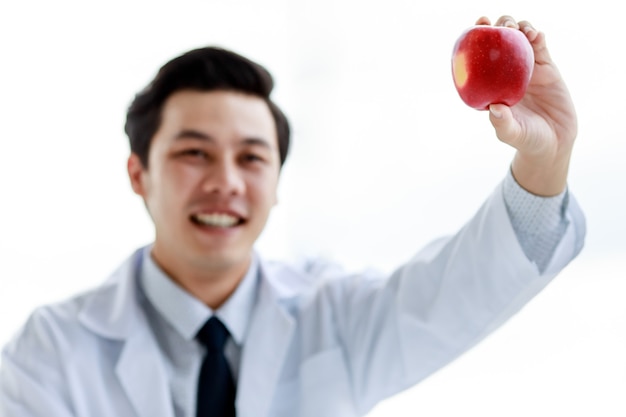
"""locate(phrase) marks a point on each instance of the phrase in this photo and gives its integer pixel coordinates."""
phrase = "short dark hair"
(203, 69)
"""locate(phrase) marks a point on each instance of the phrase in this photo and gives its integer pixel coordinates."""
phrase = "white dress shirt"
(176, 316)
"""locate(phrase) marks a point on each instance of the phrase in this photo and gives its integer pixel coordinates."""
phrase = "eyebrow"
(197, 135)
(193, 134)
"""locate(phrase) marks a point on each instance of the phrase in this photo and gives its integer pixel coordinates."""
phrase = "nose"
(225, 178)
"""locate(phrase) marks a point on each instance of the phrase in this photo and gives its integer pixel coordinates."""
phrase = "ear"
(275, 202)
(136, 172)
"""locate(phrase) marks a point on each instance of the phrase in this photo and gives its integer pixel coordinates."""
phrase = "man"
(197, 324)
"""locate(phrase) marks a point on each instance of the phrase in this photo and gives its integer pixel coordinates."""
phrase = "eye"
(252, 158)
(194, 153)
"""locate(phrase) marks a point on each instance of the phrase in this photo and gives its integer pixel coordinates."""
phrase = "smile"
(216, 219)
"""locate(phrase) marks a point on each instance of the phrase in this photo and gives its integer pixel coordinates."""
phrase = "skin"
(543, 125)
(214, 152)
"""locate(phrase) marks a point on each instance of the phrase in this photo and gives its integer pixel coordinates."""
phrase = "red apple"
(492, 64)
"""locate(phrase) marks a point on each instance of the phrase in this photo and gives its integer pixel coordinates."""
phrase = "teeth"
(217, 219)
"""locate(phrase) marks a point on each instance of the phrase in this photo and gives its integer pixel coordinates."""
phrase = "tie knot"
(213, 334)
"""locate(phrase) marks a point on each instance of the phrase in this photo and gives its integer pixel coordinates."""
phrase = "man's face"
(211, 179)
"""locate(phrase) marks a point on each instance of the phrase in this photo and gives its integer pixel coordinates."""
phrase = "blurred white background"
(385, 158)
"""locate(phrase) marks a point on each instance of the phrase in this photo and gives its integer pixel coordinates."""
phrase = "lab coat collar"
(114, 312)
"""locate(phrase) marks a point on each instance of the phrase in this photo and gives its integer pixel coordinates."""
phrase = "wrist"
(545, 176)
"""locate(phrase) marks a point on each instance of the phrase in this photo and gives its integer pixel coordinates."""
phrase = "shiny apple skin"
(492, 64)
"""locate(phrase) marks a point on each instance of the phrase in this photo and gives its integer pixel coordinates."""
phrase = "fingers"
(483, 20)
(507, 21)
(538, 41)
(536, 38)
(508, 130)
(529, 30)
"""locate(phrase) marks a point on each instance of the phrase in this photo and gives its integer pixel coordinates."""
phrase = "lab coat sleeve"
(31, 380)
(397, 331)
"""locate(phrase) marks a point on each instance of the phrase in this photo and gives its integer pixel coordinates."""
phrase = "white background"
(385, 158)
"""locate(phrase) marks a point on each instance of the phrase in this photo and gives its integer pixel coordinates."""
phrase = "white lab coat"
(317, 346)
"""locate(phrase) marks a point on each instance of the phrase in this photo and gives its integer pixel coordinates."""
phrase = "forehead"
(220, 114)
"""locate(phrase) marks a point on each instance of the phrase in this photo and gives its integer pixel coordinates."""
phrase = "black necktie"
(216, 389)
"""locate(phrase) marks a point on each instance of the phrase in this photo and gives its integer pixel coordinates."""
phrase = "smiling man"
(197, 324)
(209, 185)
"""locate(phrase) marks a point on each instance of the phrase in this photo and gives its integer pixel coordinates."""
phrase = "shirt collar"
(186, 313)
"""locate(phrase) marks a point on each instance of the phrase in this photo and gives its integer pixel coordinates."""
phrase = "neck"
(210, 283)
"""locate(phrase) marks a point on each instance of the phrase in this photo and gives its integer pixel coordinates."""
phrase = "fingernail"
(496, 113)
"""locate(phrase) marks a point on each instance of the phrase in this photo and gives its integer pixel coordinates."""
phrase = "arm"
(449, 297)
(542, 127)
(455, 292)
(31, 380)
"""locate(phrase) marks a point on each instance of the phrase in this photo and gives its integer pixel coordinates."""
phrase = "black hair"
(203, 69)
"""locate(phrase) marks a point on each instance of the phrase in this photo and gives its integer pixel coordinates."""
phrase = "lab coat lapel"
(143, 378)
(114, 313)
(263, 356)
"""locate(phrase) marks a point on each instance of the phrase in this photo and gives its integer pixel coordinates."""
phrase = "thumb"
(508, 129)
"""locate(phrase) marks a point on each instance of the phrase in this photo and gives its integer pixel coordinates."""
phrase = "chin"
(222, 259)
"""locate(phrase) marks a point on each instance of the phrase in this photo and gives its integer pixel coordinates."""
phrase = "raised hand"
(542, 126)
